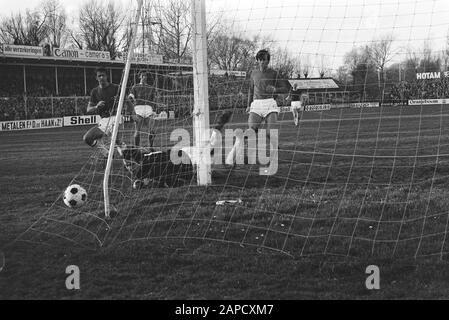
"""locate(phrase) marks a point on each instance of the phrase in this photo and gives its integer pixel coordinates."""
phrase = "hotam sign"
(428, 75)
(432, 75)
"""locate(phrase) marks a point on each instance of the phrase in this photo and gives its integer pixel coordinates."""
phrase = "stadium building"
(321, 90)
(38, 82)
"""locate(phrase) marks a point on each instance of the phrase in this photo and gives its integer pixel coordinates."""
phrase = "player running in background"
(296, 103)
(265, 85)
(142, 96)
(102, 100)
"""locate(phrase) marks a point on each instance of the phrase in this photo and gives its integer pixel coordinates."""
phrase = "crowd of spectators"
(224, 93)
(40, 102)
(10, 109)
(228, 92)
(420, 89)
(19, 108)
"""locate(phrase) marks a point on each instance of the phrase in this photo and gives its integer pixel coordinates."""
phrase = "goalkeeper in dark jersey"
(158, 166)
(142, 97)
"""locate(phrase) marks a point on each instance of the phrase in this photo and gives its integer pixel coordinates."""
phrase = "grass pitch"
(354, 188)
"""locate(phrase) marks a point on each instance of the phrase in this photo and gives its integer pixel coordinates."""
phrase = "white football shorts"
(296, 105)
(107, 124)
(144, 111)
(263, 107)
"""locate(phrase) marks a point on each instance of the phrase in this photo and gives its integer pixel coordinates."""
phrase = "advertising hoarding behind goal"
(16, 125)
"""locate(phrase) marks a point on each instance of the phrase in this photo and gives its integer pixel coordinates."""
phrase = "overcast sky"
(314, 28)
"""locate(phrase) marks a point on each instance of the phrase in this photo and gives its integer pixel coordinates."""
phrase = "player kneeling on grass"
(102, 101)
(142, 96)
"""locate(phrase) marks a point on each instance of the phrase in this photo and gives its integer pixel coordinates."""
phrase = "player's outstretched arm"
(92, 109)
(250, 95)
(94, 106)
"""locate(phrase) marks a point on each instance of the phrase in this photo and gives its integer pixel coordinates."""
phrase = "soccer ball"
(75, 196)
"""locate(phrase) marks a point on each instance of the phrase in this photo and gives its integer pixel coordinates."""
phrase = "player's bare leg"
(295, 113)
(150, 126)
(271, 121)
(254, 121)
(271, 144)
(138, 128)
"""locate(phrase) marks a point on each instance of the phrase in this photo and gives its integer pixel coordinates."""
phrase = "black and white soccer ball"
(75, 196)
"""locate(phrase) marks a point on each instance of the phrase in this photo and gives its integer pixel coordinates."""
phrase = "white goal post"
(107, 172)
(201, 93)
(201, 128)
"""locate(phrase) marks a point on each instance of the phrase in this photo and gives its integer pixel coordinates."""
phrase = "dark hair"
(101, 69)
(263, 53)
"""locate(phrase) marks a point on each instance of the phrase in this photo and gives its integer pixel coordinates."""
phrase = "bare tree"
(323, 66)
(99, 27)
(29, 29)
(298, 67)
(283, 63)
(342, 75)
(411, 64)
(231, 52)
(380, 53)
(445, 58)
(214, 29)
(56, 22)
(150, 19)
(429, 61)
(357, 62)
(176, 30)
(359, 66)
(126, 34)
(306, 66)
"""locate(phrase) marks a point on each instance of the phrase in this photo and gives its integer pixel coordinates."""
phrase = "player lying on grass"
(265, 85)
(155, 167)
(158, 168)
(142, 96)
(102, 101)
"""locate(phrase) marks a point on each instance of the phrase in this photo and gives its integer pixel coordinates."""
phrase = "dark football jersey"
(108, 95)
(157, 166)
(260, 80)
(295, 95)
(143, 94)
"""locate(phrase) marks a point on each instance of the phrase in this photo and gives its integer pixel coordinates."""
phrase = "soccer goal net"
(332, 142)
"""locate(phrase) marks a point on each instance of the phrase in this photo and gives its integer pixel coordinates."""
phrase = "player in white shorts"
(296, 103)
(142, 97)
(265, 85)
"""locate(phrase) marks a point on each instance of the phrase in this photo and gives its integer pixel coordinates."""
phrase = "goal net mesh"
(364, 171)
